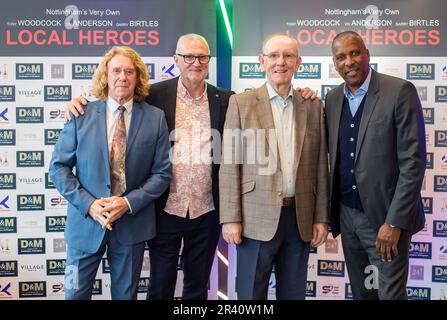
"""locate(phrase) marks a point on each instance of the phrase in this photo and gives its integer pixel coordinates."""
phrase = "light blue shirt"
(284, 119)
(356, 98)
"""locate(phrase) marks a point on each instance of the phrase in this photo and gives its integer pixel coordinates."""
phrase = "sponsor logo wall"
(314, 26)
(36, 81)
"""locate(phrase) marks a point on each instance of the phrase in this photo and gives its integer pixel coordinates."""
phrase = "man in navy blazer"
(96, 220)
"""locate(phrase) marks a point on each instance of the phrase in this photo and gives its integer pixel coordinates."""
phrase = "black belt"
(286, 202)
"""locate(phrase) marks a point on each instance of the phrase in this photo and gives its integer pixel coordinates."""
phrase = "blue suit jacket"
(83, 144)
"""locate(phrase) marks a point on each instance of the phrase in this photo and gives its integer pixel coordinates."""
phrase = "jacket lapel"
(214, 106)
(371, 100)
(171, 102)
(101, 108)
(135, 123)
(264, 111)
(335, 121)
(300, 124)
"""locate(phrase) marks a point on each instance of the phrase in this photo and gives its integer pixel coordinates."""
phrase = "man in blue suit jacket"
(98, 220)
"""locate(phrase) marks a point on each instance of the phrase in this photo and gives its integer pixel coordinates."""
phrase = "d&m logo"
(8, 181)
(251, 70)
(151, 70)
(439, 228)
(7, 93)
(429, 115)
(420, 250)
(440, 138)
(143, 285)
(429, 161)
(55, 223)
(105, 265)
(440, 94)
(30, 202)
(30, 158)
(26, 71)
(57, 93)
(420, 71)
(348, 291)
(418, 293)
(331, 268)
(440, 183)
(8, 225)
(56, 267)
(83, 70)
(311, 289)
(308, 71)
(4, 115)
(49, 182)
(8, 268)
(7, 137)
(31, 245)
(29, 115)
(51, 136)
(427, 202)
(97, 287)
(32, 289)
(439, 274)
(325, 88)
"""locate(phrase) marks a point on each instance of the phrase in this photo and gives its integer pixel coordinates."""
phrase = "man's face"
(196, 72)
(121, 78)
(351, 60)
(280, 60)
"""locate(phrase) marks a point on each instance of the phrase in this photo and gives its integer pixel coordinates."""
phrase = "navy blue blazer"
(82, 144)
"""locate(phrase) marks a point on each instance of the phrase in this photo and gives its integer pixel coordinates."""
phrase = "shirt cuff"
(128, 204)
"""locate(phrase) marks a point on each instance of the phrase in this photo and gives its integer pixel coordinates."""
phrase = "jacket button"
(108, 186)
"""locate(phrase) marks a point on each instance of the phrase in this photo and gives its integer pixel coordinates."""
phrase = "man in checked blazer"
(274, 178)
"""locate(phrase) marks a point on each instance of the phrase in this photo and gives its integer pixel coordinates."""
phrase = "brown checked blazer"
(248, 192)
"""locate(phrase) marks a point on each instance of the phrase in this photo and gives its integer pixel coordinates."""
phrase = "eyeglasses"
(190, 59)
(289, 57)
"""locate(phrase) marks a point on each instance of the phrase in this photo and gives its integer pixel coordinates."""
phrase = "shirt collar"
(184, 93)
(273, 94)
(112, 105)
(363, 88)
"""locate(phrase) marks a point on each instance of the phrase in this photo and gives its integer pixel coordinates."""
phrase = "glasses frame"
(185, 56)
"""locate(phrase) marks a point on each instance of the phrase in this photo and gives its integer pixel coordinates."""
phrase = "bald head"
(346, 35)
(184, 41)
(279, 37)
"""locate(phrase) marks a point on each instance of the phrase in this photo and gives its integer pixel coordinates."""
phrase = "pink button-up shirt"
(191, 185)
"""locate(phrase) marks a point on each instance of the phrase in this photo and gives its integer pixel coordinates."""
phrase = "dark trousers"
(358, 239)
(200, 237)
(286, 251)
